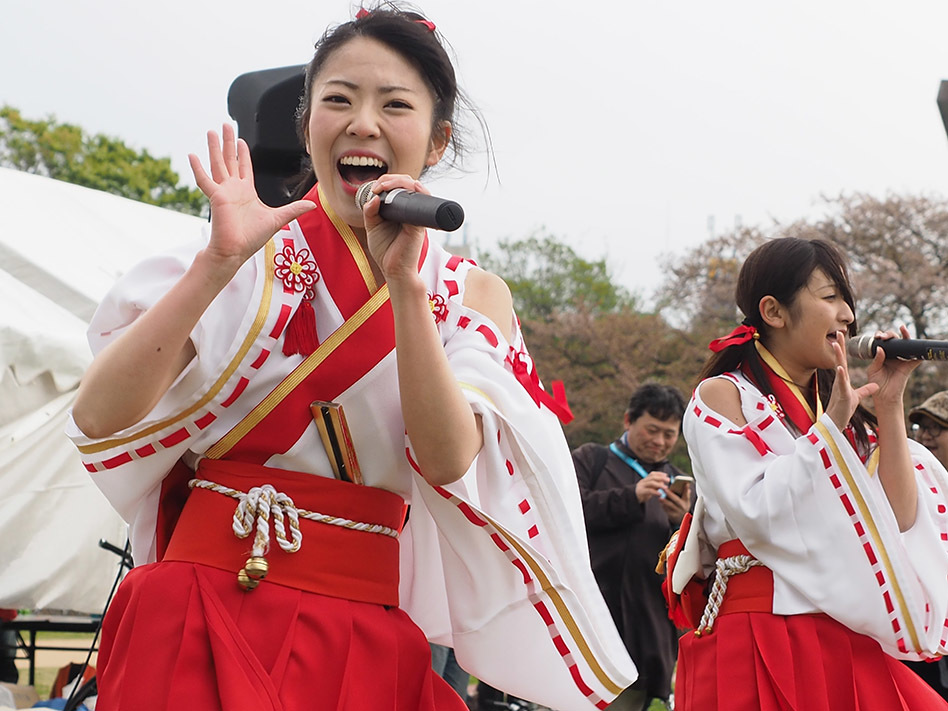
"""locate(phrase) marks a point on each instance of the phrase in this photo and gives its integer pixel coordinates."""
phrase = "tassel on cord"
(300, 335)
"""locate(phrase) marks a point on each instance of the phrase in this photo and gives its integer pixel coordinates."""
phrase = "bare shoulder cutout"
(722, 396)
(489, 295)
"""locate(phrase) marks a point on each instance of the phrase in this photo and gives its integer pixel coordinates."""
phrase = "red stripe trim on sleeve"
(175, 437)
(487, 333)
(241, 386)
(280, 324)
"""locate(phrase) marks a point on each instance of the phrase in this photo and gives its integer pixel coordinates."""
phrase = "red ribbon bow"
(556, 403)
(741, 334)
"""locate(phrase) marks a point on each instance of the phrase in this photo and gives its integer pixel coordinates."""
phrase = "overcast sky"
(619, 127)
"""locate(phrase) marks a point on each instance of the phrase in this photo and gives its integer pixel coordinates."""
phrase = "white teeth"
(362, 161)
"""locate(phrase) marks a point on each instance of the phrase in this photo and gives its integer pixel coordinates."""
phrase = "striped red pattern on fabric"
(861, 530)
(203, 422)
(942, 522)
(117, 461)
(261, 359)
(238, 390)
(285, 311)
(487, 333)
(535, 593)
(175, 437)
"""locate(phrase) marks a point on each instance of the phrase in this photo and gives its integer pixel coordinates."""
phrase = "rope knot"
(252, 515)
(724, 569)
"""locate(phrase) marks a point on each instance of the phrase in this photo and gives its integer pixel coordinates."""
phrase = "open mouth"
(356, 170)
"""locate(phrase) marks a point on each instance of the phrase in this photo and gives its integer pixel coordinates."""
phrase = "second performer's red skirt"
(758, 661)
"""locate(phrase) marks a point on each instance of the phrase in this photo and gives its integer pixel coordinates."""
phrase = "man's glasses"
(929, 429)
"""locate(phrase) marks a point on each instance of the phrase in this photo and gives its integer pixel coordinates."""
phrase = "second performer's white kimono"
(816, 515)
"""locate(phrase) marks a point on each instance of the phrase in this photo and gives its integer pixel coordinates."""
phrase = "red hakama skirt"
(182, 634)
(754, 660)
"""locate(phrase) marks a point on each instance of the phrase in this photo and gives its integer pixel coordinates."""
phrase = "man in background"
(930, 420)
(631, 508)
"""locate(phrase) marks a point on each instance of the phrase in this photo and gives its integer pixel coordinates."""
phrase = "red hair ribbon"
(740, 335)
(363, 13)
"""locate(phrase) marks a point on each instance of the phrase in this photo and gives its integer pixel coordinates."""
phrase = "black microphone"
(864, 348)
(411, 208)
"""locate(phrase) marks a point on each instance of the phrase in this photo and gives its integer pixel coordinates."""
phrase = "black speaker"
(264, 104)
(943, 103)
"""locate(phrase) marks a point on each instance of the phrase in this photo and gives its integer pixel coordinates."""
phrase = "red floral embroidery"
(438, 307)
(296, 269)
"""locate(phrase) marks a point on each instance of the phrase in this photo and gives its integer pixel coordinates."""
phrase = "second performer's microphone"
(864, 348)
(410, 208)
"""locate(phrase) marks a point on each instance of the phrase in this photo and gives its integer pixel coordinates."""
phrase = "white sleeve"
(511, 551)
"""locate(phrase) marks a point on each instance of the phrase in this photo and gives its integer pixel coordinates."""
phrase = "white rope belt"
(252, 515)
(724, 569)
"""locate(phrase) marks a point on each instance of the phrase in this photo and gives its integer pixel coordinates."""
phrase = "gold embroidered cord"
(724, 569)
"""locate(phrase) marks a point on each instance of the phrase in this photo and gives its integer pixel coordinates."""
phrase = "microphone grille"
(364, 194)
(860, 347)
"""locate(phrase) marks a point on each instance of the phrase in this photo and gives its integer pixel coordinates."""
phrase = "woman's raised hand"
(845, 398)
(240, 222)
(395, 247)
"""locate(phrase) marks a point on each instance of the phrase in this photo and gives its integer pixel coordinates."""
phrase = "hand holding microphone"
(410, 208)
(864, 348)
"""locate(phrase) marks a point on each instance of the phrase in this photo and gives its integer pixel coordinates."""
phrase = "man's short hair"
(663, 402)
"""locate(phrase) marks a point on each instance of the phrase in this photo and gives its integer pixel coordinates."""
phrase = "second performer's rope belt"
(724, 569)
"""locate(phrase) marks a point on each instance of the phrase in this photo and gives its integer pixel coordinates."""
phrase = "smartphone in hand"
(679, 483)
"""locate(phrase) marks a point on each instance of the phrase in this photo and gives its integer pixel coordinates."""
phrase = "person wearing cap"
(931, 425)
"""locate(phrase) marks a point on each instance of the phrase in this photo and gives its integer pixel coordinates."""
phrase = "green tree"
(65, 152)
(602, 358)
(547, 277)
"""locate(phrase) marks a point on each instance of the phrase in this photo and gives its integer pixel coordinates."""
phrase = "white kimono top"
(495, 564)
(810, 510)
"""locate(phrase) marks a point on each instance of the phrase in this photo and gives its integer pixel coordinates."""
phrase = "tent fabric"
(62, 247)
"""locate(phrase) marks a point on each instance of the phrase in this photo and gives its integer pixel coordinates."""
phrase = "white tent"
(61, 248)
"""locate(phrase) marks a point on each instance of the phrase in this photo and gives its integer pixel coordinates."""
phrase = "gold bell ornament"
(245, 581)
(254, 570)
(257, 567)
